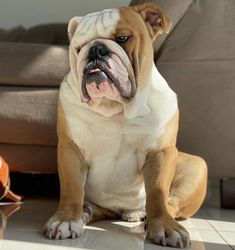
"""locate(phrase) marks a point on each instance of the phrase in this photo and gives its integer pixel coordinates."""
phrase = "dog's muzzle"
(105, 75)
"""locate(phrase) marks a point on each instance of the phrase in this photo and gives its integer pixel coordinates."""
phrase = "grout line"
(221, 236)
(225, 240)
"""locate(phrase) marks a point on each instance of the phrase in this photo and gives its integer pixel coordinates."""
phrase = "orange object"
(5, 191)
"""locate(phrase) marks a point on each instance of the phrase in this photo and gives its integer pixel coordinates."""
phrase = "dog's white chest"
(115, 151)
(116, 143)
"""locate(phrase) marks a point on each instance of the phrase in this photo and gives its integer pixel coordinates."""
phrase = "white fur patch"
(57, 229)
(99, 24)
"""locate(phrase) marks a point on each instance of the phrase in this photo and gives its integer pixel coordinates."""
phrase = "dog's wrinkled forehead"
(97, 25)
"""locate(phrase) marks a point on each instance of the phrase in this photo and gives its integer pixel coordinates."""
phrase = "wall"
(31, 12)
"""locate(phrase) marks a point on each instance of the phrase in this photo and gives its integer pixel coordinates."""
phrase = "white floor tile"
(24, 230)
(223, 225)
(207, 240)
(194, 223)
(20, 245)
(229, 237)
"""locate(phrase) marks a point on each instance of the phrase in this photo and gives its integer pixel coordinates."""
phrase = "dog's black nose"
(97, 51)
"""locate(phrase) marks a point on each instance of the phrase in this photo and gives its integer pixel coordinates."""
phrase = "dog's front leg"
(67, 221)
(158, 173)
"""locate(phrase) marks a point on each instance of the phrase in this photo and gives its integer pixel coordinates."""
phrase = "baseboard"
(227, 193)
(35, 184)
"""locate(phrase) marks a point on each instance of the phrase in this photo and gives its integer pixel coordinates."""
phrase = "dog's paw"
(87, 213)
(167, 232)
(59, 229)
(133, 216)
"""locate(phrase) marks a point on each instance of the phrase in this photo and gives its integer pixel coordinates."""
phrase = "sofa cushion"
(174, 10)
(205, 33)
(53, 33)
(12, 35)
(28, 115)
(198, 61)
(32, 64)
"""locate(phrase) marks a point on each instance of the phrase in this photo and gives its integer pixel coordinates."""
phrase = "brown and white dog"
(117, 130)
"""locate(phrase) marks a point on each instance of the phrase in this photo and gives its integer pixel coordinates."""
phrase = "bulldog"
(117, 129)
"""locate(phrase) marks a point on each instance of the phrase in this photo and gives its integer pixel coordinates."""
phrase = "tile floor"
(210, 228)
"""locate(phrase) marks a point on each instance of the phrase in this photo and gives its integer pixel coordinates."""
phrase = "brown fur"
(188, 188)
(175, 182)
(70, 165)
(93, 213)
(137, 47)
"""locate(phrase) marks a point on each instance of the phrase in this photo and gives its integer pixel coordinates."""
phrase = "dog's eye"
(78, 50)
(122, 39)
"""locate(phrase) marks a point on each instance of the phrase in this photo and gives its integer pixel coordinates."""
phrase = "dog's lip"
(97, 67)
(94, 70)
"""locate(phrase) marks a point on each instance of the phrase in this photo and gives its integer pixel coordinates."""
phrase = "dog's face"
(111, 54)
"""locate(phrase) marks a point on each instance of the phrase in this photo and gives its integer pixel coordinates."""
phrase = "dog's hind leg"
(188, 187)
(93, 213)
(133, 215)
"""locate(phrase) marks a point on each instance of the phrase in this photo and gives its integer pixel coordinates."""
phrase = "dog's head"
(111, 54)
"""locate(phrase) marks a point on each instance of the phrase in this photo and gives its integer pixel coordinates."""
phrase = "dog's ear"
(73, 23)
(154, 18)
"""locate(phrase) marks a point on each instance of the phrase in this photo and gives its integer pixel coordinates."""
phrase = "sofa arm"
(32, 64)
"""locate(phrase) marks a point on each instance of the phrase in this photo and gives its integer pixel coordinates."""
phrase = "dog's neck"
(140, 106)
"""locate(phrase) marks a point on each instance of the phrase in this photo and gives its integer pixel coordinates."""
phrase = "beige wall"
(31, 12)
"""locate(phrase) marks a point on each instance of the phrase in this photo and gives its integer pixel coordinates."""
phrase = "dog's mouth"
(106, 77)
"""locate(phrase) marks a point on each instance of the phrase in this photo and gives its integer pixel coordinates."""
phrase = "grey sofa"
(197, 58)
